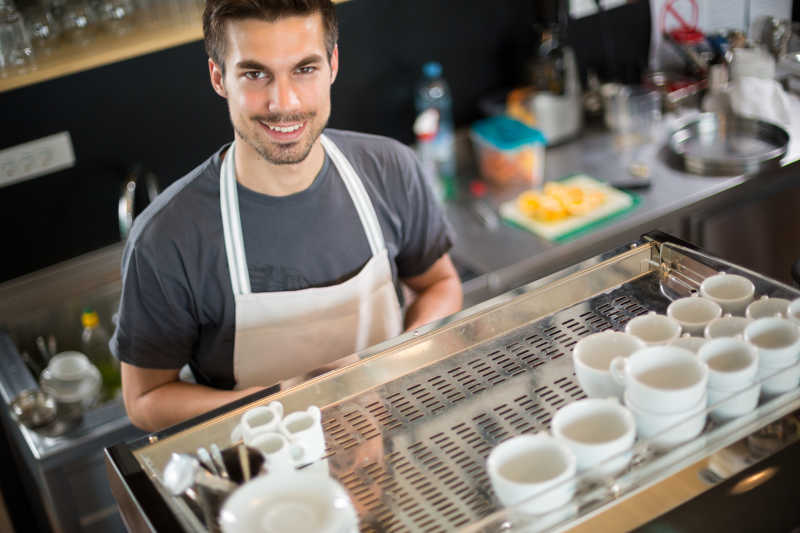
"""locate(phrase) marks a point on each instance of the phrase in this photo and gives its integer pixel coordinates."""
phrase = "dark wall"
(159, 111)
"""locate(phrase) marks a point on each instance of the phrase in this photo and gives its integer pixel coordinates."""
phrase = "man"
(283, 252)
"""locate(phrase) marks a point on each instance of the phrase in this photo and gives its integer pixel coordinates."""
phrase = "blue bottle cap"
(432, 69)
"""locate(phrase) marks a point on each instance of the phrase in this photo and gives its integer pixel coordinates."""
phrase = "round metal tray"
(719, 144)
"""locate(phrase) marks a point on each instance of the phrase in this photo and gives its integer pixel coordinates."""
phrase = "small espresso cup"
(777, 341)
(654, 329)
(662, 379)
(731, 291)
(793, 311)
(689, 342)
(732, 363)
(304, 430)
(694, 313)
(535, 471)
(260, 419)
(600, 432)
(766, 307)
(726, 326)
(277, 451)
(592, 356)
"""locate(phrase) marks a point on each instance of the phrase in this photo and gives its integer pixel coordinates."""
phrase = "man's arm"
(156, 399)
(438, 293)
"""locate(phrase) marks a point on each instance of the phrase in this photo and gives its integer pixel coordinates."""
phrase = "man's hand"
(438, 293)
(156, 399)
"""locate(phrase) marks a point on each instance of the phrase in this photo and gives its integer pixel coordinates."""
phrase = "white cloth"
(294, 334)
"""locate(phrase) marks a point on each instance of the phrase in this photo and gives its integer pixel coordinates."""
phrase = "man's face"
(277, 82)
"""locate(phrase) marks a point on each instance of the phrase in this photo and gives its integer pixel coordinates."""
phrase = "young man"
(284, 251)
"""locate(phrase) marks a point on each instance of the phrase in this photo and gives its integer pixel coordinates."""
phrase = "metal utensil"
(206, 460)
(43, 351)
(34, 367)
(244, 461)
(736, 145)
(184, 470)
(33, 408)
(52, 346)
(216, 456)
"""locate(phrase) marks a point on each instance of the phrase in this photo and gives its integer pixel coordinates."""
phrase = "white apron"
(298, 334)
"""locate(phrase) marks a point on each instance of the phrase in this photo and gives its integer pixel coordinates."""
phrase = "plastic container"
(509, 151)
(433, 92)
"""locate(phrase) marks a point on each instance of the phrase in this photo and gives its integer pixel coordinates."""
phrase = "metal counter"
(676, 201)
(409, 427)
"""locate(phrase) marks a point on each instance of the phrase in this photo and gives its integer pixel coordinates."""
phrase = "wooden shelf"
(105, 49)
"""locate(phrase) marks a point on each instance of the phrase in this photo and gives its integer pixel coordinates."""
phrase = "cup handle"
(298, 452)
(617, 369)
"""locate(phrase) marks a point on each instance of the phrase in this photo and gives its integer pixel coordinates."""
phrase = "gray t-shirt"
(177, 305)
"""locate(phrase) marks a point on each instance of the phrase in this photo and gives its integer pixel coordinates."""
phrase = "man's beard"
(286, 154)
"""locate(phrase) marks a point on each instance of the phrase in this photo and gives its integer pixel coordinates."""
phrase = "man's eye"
(254, 75)
(308, 69)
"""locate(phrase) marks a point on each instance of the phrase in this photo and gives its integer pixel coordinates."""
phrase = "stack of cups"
(286, 442)
(665, 389)
(777, 341)
(732, 367)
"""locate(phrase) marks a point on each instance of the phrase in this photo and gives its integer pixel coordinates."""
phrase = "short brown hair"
(218, 11)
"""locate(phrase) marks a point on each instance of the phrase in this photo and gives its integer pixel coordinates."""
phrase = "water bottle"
(433, 92)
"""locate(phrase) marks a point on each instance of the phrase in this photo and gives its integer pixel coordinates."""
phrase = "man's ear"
(334, 63)
(217, 83)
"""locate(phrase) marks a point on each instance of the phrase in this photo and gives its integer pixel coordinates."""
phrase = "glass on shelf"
(77, 20)
(42, 27)
(16, 51)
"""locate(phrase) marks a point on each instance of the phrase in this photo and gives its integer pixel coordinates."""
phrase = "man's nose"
(284, 96)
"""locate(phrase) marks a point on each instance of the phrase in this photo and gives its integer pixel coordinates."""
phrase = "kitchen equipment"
(73, 381)
(33, 408)
(728, 145)
(408, 428)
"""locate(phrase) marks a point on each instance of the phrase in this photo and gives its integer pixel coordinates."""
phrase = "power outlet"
(36, 158)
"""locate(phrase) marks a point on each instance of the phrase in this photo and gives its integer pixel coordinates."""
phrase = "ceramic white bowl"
(732, 404)
(731, 291)
(726, 326)
(777, 380)
(664, 431)
(600, 432)
(292, 501)
(766, 307)
(653, 328)
(732, 363)
(591, 357)
(533, 472)
(694, 313)
(777, 341)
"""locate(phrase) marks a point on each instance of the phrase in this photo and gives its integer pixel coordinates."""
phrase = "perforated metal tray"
(408, 430)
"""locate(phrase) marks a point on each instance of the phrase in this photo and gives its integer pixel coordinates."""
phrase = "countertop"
(506, 257)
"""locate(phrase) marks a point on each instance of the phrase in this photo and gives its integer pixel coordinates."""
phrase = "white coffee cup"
(592, 356)
(793, 311)
(726, 326)
(729, 404)
(277, 451)
(731, 291)
(667, 430)
(535, 471)
(304, 430)
(662, 379)
(689, 342)
(778, 380)
(767, 307)
(777, 341)
(260, 419)
(654, 329)
(694, 313)
(732, 363)
(600, 432)
(289, 500)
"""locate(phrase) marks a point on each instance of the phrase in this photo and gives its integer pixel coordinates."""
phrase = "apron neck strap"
(232, 225)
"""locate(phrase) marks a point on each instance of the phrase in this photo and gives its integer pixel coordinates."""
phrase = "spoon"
(183, 471)
(216, 456)
(205, 458)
